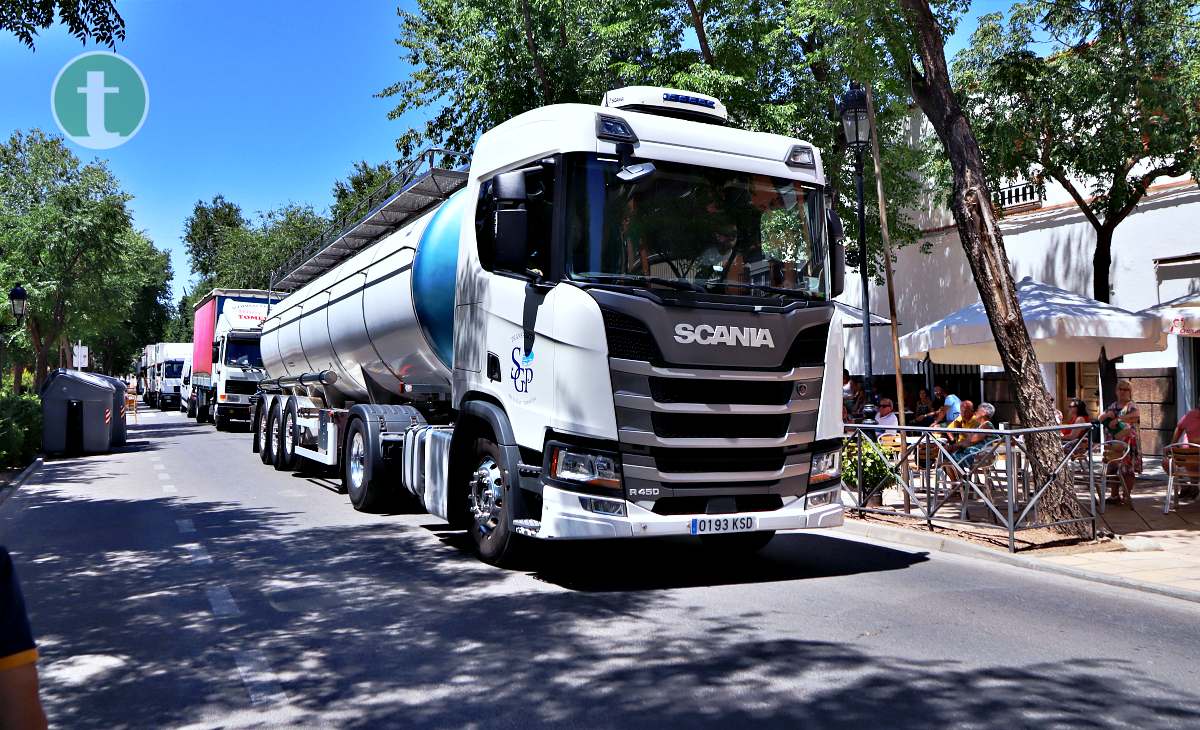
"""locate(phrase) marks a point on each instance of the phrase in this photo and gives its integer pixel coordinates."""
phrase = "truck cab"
(237, 368)
(170, 383)
(226, 359)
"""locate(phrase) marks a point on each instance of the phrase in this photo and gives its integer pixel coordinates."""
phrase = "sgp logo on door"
(707, 334)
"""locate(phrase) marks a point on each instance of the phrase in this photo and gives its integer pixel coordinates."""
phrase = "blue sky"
(264, 102)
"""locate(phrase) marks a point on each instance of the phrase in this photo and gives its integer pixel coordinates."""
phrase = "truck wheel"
(740, 543)
(257, 422)
(201, 410)
(221, 422)
(488, 504)
(285, 443)
(191, 408)
(269, 433)
(358, 469)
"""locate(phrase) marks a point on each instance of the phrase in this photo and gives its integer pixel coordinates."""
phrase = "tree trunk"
(979, 232)
(701, 35)
(531, 44)
(1101, 288)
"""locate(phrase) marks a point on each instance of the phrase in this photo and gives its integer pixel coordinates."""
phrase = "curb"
(23, 477)
(953, 546)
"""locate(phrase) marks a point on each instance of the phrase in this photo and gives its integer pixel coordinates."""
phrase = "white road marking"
(164, 476)
(159, 466)
(155, 458)
(170, 489)
(222, 602)
(197, 553)
(261, 684)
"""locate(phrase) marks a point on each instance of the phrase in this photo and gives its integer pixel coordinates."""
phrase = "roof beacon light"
(668, 103)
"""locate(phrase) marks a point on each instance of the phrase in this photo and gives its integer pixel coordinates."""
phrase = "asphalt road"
(180, 583)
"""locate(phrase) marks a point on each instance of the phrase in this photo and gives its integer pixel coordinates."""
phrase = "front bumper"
(563, 517)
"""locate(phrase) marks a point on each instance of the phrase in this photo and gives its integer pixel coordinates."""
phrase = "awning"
(1064, 327)
(1179, 316)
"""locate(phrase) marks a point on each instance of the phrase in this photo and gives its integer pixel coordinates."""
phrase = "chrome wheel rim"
(288, 434)
(357, 462)
(486, 496)
(274, 430)
(262, 431)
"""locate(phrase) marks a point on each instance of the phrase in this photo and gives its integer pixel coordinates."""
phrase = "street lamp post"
(857, 126)
(18, 300)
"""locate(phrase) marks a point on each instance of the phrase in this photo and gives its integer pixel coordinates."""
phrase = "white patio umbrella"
(1179, 316)
(1064, 327)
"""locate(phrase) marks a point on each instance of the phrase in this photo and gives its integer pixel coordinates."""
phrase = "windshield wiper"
(799, 293)
(679, 284)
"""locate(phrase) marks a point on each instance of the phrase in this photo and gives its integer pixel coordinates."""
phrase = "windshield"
(243, 353)
(174, 369)
(695, 227)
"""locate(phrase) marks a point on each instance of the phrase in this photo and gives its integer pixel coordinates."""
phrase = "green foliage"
(206, 230)
(875, 467)
(20, 429)
(1102, 97)
(65, 234)
(96, 20)
(249, 254)
(365, 178)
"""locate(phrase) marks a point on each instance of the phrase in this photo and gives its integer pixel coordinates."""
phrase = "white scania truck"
(617, 323)
(164, 372)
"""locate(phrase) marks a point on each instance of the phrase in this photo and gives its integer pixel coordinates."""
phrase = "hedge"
(20, 429)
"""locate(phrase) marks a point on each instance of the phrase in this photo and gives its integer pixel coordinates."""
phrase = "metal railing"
(423, 162)
(1022, 195)
(993, 487)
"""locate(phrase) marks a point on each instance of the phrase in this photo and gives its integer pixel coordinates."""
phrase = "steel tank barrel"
(383, 317)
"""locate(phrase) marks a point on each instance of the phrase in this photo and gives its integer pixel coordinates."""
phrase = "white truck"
(226, 364)
(615, 324)
(162, 372)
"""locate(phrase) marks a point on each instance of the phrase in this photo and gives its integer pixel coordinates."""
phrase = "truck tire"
(488, 505)
(220, 422)
(285, 443)
(257, 423)
(267, 453)
(741, 543)
(191, 408)
(358, 469)
(201, 409)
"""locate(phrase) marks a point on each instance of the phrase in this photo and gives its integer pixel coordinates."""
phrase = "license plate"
(717, 525)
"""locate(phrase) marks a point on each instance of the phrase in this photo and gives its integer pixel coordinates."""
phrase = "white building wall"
(1054, 245)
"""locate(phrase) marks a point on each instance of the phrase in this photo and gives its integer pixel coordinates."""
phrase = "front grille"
(176, 388)
(241, 387)
(722, 392)
(699, 505)
(808, 349)
(690, 461)
(691, 425)
(628, 338)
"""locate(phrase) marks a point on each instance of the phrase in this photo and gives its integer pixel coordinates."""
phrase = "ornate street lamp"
(856, 124)
(18, 300)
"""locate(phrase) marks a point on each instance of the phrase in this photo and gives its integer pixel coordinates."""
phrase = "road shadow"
(374, 625)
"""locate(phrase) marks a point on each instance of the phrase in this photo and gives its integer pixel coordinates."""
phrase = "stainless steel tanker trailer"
(617, 323)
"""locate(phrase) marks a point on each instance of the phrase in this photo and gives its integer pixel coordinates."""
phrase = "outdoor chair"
(1106, 453)
(980, 474)
(1183, 472)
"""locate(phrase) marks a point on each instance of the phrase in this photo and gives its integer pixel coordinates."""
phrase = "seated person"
(924, 404)
(1077, 412)
(1115, 429)
(966, 419)
(951, 405)
(887, 414)
(934, 413)
(964, 452)
(1188, 431)
(857, 398)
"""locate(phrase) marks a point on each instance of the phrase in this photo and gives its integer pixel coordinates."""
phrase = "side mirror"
(837, 255)
(511, 232)
(216, 354)
(187, 380)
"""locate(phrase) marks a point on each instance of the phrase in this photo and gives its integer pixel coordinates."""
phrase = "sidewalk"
(1147, 546)
(1162, 549)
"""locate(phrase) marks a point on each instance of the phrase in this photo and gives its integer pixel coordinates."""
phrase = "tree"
(474, 67)
(913, 36)
(249, 254)
(1110, 108)
(348, 193)
(206, 231)
(97, 20)
(60, 232)
(136, 293)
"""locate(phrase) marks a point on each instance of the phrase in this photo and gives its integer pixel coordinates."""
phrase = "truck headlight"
(597, 470)
(822, 498)
(825, 466)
